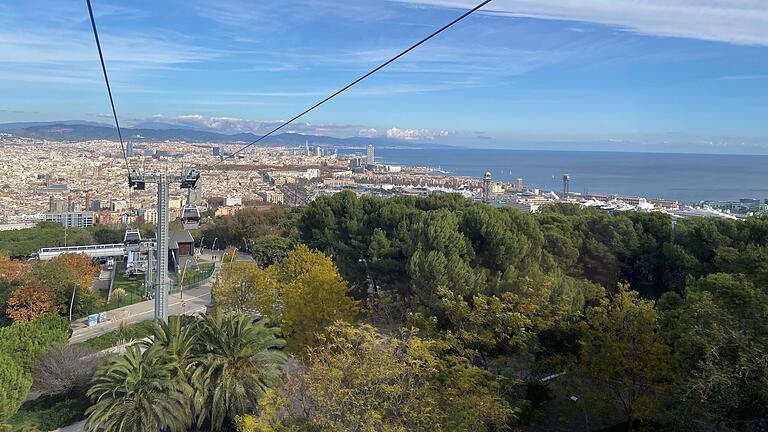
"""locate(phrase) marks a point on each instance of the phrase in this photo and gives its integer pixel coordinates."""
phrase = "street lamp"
(72, 302)
(181, 282)
(368, 277)
(579, 401)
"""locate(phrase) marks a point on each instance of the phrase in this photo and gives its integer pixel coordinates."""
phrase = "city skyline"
(674, 76)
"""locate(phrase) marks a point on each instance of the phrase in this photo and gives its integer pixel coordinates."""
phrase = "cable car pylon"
(186, 180)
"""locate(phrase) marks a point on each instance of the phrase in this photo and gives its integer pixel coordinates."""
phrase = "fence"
(194, 278)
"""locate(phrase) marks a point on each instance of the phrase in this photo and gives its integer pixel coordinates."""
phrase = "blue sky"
(656, 75)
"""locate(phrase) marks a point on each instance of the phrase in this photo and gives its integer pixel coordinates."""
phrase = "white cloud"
(416, 134)
(232, 125)
(368, 133)
(55, 45)
(743, 22)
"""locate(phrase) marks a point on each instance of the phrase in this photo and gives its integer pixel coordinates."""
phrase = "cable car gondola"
(132, 237)
(190, 217)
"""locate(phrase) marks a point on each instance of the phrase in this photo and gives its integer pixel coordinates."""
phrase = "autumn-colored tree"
(355, 378)
(11, 270)
(312, 295)
(244, 287)
(66, 273)
(303, 292)
(30, 301)
(624, 354)
(81, 267)
(12, 275)
(300, 261)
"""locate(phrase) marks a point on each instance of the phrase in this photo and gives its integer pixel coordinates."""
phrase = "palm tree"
(240, 360)
(138, 392)
(176, 341)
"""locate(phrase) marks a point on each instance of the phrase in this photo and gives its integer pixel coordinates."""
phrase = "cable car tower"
(138, 181)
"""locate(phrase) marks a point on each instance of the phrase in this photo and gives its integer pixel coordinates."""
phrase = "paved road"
(189, 302)
(75, 427)
(215, 256)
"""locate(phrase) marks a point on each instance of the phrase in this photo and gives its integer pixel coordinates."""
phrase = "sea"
(688, 178)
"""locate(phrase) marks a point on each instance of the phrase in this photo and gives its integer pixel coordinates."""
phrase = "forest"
(627, 320)
(440, 314)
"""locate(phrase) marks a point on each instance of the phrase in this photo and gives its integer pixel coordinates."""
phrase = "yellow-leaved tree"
(313, 296)
(67, 273)
(244, 287)
(356, 378)
(303, 292)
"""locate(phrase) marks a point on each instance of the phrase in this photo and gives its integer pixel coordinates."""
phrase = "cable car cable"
(382, 66)
(109, 88)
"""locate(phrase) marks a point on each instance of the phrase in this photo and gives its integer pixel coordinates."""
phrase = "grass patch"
(196, 274)
(134, 289)
(48, 413)
(114, 338)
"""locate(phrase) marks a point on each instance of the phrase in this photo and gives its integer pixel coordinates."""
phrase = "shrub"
(25, 342)
(14, 386)
(65, 369)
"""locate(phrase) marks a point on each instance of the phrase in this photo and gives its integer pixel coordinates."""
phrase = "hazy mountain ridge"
(74, 130)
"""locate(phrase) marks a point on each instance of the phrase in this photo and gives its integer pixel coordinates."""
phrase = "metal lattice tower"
(186, 181)
(161, 281)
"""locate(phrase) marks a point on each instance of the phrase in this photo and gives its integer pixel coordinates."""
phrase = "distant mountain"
(84, 131)
(23, 125)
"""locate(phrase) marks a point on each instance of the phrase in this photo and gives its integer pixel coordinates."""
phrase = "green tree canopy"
(14, 383)
(623, 351)
(720, 336)
(26, 341)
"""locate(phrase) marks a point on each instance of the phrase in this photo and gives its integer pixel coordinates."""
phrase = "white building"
(274, 197)
(118, 205)
(71, 219)
(16, 226)
(312, 173)
(150, 216)
(233, 201)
